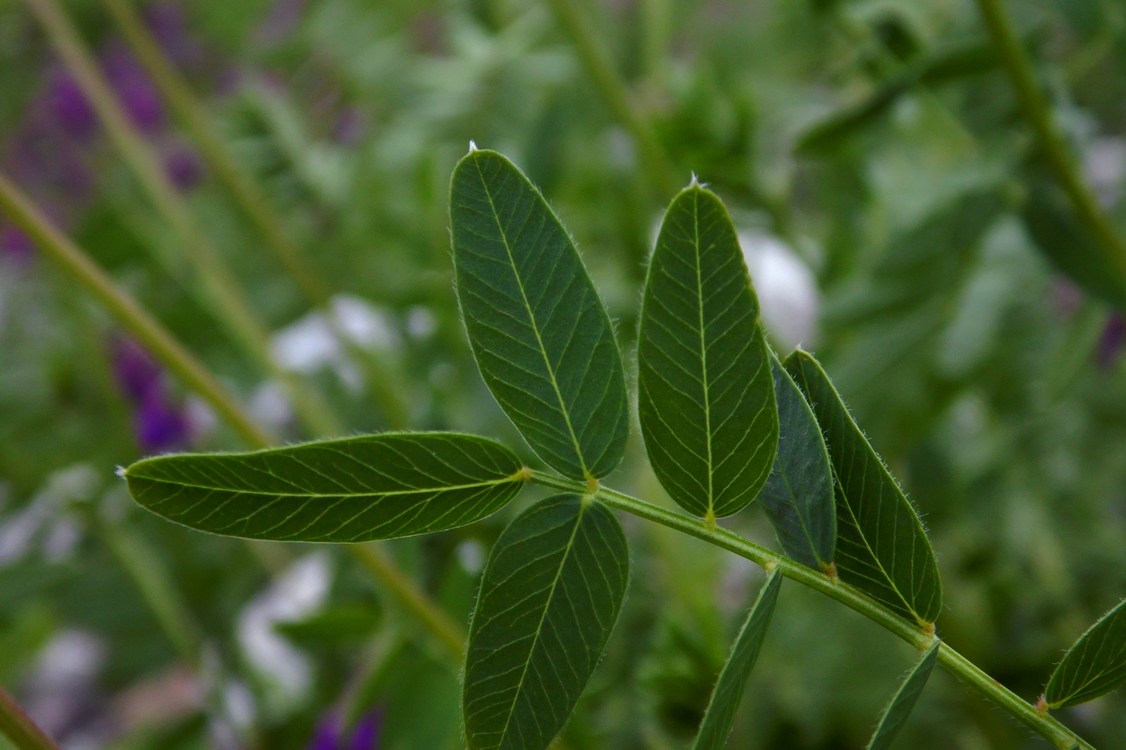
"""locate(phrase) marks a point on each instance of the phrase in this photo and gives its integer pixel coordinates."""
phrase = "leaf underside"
(350, 490)
(728, 693)
(881, 546)
(705, 392)
(1095, 665)
(798, 497)
(549, 597)
(896, 713)
(539, 332)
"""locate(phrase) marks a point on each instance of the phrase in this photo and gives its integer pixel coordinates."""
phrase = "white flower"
(786, 288)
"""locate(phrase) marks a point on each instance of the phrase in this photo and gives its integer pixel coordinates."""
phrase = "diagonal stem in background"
(228, 303)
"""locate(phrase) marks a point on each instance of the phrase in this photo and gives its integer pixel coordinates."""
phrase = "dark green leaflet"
(881, 546)
(705, 392)
(539, 332)
(550, 596)
(728, 692)
(350, 490)
(1094, 665)
(798, 496)
(896, 712)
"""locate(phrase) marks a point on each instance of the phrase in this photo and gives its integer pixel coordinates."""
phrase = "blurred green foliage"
(878, 139)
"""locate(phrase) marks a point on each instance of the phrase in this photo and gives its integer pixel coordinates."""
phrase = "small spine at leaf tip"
(472, 146)
(694, 182)
(120, 472)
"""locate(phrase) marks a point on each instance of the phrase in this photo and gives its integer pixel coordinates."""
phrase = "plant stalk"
(614, 92)
(176, 358)
(127, 312)
(218, 284)
(952, 661)
(1052, 144)
(19, 729)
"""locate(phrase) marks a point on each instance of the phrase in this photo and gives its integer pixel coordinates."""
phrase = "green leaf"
(1094, 666)
(351, 490)
(881, 546)
(539, 332)
(798, 496)
(549, 598)
(728, 692)
(896, 712)
(705, 393)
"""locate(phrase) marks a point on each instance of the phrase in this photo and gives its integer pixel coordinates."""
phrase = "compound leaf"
(705, 393)
(550, 596)
(539, 332)
(720, 716)
(798, 496)
(896, 712)
(1094, 666)
(350, 490)
(881, 546)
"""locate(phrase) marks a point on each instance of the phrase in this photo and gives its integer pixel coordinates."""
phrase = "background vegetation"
(901, 215)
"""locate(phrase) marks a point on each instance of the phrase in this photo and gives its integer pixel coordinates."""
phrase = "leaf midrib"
(703, 350)
(539, 626)
(532, 320)
(310, 495)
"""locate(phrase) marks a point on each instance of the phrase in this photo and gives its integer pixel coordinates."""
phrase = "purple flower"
(1112, 339)
(330, 734)
(160, 425)
(183, 167)
(136, 372)
(169, 27)
(69, 107)
(15, 245)
(134, 88)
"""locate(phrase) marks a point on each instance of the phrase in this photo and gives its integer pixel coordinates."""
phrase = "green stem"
(614, 93)
(1050, 139)
(449, 635)
(19, 729)
(227, 300)
(176, 90)
(128, 313)
(176, 358)
(247, 194)
(1045, 725)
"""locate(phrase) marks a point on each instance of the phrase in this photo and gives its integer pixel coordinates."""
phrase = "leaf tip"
(472, 146)
(120, 472)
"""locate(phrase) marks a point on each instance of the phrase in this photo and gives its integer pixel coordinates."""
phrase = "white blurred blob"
(1104, 163)
(299, 592)
(270, 405)
(471, 556)
(63, 678)
(310, 343)
(44, 518)
(786, 288)
(421, 323)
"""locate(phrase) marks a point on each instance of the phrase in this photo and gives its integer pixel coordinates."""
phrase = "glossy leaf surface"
(539, 332)
(1094, 666)
(705, 392)
(897, 711)
(881, 546)
(798, 496)
(549, 597)
(728, 692)
(350, 490)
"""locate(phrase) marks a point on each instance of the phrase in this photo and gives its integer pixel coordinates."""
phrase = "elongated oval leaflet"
(896, 712)
(549, 597)
(728, 693)
(798, 496)
(1095, 665)
(539, 332)
(350, 490)
(881, 546)
(705, 392)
